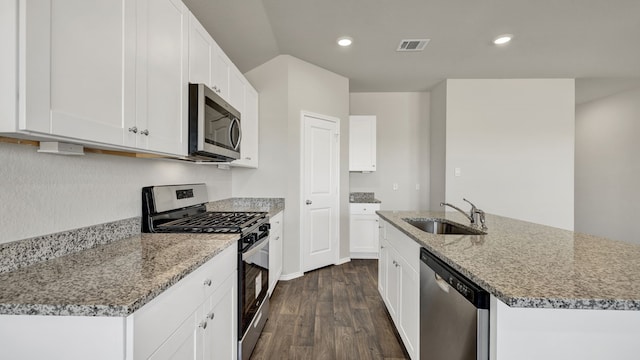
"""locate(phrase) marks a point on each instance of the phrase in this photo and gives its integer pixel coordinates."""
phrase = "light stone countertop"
(535, 266)
(271, 205)
(109, 280)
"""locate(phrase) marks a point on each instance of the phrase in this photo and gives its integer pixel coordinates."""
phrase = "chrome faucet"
(475, 215)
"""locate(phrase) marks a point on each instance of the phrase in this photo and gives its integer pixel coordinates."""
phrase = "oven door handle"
(257, 247)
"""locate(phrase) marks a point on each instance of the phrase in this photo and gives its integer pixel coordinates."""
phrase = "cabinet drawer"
(276, 221)
(216, 271)
(157, 320)
(405, 246)
(364, 209)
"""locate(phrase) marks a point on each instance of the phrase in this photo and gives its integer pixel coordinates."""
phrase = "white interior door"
(320, 189)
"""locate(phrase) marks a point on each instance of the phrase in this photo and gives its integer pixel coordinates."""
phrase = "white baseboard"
(343, 261)
(287, 277)
(364, 255)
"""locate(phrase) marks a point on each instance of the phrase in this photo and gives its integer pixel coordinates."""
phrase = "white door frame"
(337, 241)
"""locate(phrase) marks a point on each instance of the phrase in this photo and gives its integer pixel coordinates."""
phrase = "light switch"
(457, 172)
(417, 186)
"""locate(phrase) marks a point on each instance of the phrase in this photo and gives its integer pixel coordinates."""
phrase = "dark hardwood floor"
(331, 313)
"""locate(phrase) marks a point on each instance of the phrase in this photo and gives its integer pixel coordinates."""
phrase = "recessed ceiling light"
(345, 41)
(502, 39)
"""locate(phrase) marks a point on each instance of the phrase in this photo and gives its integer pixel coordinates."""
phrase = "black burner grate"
(220, 222)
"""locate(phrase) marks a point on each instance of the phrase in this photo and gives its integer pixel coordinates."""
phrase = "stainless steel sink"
(444, 227)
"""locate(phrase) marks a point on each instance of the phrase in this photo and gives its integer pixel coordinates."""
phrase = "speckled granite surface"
(22, 253)
(270, 205)
(109, 280)
(363, 198)
(530, 265)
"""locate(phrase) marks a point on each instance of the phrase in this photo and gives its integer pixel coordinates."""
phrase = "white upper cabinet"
(220, 67)
(78, 68)
(236, 90)
(201, 49)
(161, 77)
(362, 143)
(250, 125)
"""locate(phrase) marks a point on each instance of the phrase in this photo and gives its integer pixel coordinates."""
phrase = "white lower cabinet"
(275, 250)
(399, 284)
(363, 230)
(171, 326)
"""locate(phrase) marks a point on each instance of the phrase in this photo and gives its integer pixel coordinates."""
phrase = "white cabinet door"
(78, 68)
(275, 250)
(236, 90)
(162, 86)
(250, 127)
(200, 53)
(182, 343)
(363, 236)
(220, 66)
(383, 259)
(399, 284)
(362, 143)
(392, 295)
(218, 338)
(409, 319)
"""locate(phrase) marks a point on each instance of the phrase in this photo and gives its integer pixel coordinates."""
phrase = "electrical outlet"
(395, 186)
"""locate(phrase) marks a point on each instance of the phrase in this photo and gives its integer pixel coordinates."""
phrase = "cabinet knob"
(309, 202)
(145, 132)
(211, 316)
(133, 129)
(203, 325)
(381, 247)
(278, 238)
(247, 158)
(373, 166)
(207, 282)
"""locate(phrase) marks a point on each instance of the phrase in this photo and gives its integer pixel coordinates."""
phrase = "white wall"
(607, 200)
(288, 86)
(402, 148)
(437, 151)
(42, 193)
(513, 140)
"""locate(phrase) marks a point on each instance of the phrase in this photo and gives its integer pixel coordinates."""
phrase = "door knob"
(309, 202)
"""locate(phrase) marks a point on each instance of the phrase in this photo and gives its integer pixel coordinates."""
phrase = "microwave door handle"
(235, 122)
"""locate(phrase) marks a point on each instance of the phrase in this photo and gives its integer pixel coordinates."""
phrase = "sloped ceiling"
(583, 39)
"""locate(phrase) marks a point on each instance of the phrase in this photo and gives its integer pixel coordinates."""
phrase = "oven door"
(253, 273)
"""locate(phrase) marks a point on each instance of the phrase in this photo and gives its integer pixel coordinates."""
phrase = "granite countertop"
(536, 266)
(109, 280)
(271, 205)
(363, 198)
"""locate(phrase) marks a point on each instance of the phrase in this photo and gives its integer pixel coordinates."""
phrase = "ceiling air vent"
(413, 45)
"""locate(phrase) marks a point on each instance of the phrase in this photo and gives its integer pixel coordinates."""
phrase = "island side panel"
(62, 337)
(550, 334)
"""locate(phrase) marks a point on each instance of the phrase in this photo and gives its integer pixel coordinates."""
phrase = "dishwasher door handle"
(442, 284)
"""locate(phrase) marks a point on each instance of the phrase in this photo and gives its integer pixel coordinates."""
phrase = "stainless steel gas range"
(181, 208)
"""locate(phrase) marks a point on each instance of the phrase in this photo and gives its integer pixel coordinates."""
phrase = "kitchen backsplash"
(17, 254)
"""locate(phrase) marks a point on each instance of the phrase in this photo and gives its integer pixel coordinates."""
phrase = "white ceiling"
(590, 40)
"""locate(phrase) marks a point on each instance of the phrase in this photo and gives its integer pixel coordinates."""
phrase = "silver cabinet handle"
(211, 316)
(247, 158)
(133, 129)
(278, 238)
(207, 282)
(309, 202)
(381, 247)
(145, 132)
(203, 325)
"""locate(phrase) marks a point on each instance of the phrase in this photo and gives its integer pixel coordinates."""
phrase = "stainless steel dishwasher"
(454, 313)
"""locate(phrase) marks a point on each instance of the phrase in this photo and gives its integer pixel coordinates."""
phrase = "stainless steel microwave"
(214, 126)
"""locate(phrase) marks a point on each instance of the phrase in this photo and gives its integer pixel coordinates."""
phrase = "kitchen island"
(555, 294)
